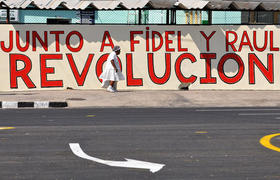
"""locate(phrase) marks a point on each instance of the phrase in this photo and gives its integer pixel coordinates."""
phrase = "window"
(264, 17)
(14, 15)
(257, 17)
(87, 17)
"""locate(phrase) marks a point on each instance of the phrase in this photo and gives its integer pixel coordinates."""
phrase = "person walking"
(112, 72)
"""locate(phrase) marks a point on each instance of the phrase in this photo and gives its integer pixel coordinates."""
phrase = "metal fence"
(179, 17)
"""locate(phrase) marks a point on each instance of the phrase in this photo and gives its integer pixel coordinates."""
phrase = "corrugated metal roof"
(135, 4)
(191, 4)
(106, 4)
(219, 5)
(139, 4)
(55, 3)
(246, 5)
(162, 3)
(271, 6)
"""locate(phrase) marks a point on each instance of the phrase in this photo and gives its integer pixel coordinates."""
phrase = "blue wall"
(223, 17)
(40, 16)
(116, 16)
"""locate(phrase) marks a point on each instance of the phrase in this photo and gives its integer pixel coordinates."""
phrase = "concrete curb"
(32, 104)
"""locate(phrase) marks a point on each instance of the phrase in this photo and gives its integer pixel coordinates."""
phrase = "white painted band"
(41, 104)
(9, 104)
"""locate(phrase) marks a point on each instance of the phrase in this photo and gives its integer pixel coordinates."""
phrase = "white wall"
(57, 73)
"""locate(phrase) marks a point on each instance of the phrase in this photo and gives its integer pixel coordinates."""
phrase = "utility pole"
(8, 16)
(210, 17)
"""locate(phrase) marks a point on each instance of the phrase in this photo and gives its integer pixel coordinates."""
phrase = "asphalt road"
(194, 144)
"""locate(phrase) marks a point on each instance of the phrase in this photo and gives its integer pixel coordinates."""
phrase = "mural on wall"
(35, 57)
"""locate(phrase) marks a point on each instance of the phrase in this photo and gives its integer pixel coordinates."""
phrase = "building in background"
(131, 17)
(117, 17)
(151, 12)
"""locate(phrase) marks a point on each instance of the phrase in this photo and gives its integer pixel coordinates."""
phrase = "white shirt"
(112, 56)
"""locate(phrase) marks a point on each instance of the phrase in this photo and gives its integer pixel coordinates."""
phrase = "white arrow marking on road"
(129, 163)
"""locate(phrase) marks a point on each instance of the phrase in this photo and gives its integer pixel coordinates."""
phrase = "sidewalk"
(192, 98)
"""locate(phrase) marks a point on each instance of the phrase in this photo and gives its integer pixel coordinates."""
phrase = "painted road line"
(258, 114)
(6, 128)
(129, 163)
(265, 141)
(225, 110)
(201, 132)
(91, 115)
